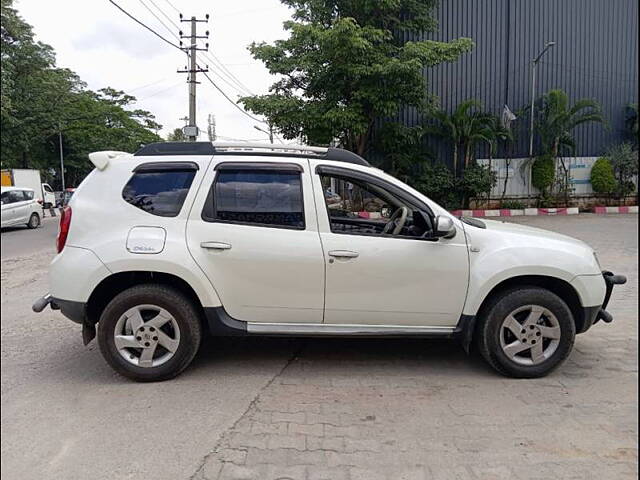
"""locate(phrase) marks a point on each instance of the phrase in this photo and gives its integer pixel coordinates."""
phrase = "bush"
(603, 179)
(437, 183)
(624, 160)
(476, 181)
(543, 173)
(512, 204)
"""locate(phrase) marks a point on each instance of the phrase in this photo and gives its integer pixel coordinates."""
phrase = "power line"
(160, 91)
(241, 86)
(172, 6)
(233, 86)
(147, 85)
(165, 15)
(158, 18)
(210, 56)
(143, 25)
(255, 119)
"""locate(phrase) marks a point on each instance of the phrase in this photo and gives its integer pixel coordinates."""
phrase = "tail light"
(63, 231)
(40, 201)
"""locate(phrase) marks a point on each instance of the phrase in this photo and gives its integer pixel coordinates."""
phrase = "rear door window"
(261, 197)
(159, 193)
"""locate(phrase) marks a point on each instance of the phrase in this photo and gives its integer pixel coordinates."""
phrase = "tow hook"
(41, 303)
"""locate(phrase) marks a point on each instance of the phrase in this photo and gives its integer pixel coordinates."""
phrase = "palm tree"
(464, 128)
(556, 120)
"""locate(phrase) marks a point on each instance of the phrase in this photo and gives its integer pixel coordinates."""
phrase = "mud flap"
(88, 332)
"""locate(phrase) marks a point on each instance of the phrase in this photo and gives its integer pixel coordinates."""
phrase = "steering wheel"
(397, 220)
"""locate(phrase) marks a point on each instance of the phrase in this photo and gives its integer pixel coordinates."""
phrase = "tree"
(343, 67)
(176, 136)
(40, 101)
(624, 160)
(465, 129)
(555, 122)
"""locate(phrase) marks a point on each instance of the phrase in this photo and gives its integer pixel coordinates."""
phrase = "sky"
(106, 48)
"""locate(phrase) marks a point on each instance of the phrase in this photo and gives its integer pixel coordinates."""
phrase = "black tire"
(34, 221)
(174, 302)
(488, 334)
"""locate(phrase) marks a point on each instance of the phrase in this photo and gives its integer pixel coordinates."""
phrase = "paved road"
(21, 241)
(321, 409)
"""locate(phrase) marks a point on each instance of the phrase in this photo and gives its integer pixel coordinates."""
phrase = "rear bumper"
(74, 311)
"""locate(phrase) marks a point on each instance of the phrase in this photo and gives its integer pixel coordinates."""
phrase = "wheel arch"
(118, 282)
(556, 285)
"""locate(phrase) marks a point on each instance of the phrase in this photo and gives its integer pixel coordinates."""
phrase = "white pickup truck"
(304, 241)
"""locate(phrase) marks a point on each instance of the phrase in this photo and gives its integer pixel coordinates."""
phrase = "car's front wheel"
(149, 332)
(526, 332)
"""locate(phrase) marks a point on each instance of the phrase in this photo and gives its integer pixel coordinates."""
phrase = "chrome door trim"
(335, 329)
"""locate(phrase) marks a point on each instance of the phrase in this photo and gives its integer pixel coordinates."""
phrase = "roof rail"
(253, 149)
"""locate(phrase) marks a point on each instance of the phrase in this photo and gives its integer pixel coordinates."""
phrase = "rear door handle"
(343, 254)
(216, 245)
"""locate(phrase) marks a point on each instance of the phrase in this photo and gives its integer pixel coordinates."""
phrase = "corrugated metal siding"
(596, 56)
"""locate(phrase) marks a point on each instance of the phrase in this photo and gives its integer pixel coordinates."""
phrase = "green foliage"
(176, 136)
(603, 180)
(465, 128)
(556, 119)
(543, 173)
(512, 204)
(342, 67)
(438, 183)
(39, 100)
(477, 181)
(624, 160)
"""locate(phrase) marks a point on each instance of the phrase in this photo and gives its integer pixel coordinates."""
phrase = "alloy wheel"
(529, 335)
(146, 336)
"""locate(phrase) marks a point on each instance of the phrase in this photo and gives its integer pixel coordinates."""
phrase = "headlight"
(595, 255)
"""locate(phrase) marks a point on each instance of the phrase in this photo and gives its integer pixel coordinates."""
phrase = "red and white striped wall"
(629, 209)
(509, 212)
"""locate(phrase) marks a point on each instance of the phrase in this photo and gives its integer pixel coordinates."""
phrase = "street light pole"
(61, 156)
(533, 99)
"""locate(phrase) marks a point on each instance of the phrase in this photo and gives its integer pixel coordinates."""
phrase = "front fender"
(490, 267)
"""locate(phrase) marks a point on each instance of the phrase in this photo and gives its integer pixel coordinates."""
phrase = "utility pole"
(191, 130)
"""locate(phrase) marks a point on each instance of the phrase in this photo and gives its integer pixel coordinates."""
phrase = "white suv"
(179, 238)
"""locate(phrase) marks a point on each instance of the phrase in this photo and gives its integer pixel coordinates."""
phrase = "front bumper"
(610, 281)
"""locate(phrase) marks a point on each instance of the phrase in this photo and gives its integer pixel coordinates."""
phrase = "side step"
(221, 323)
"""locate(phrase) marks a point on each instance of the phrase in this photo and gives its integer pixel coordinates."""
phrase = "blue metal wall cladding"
(596, 56)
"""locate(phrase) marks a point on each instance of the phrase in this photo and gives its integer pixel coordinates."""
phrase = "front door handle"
(343, 254)
(216, 245)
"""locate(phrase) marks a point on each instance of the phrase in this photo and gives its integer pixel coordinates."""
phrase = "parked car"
(29, 178)
(19, 207)
(157, 247)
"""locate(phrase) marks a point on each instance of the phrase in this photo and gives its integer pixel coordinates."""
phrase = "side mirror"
(444, 227)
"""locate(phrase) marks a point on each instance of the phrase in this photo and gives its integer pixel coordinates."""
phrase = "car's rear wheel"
(34, 221)
(149, 332)
(526, 332)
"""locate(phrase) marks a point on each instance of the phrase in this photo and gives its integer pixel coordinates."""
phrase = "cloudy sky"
(106, 48)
